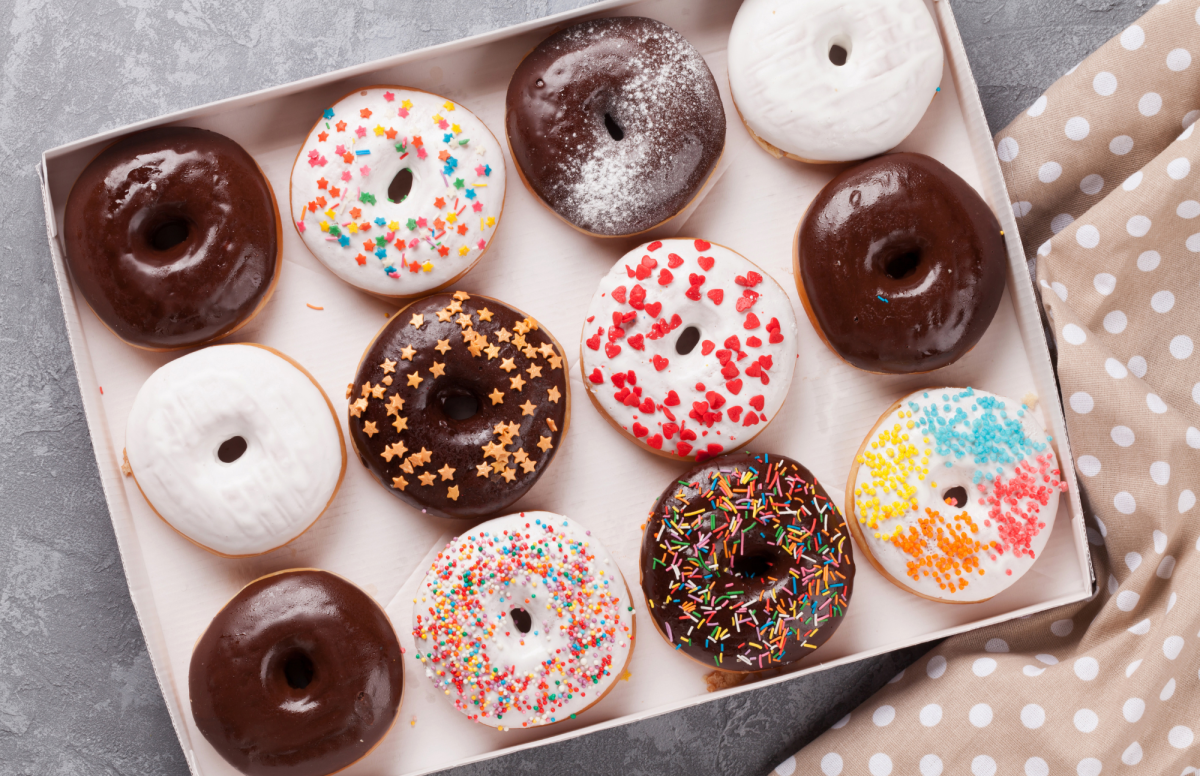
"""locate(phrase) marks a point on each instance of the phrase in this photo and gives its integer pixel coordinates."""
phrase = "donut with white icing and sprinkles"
(688, 348)
(398, 191)
(459, 404)
(953, 493)
(524, 621)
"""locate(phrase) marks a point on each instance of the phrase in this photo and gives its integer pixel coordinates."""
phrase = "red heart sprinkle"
(751, 419)
(696, 280)
(649, 263)
(707, 346)
(616, 318)
(753, 342)
(676, 321)
(701, 245)
(618, 294)
(744, 304)
(712, 451)
(693, 293)
(672, 399)
(596, 376)
(670, 430)
(631, 377)
(734, 387)
(773, 325)
(652, 247)
(655, 441)
(628, 270)
(715, 400)
(700, 387)
(751, 321)
(642, 272)
(733, 343)
(674, 260)
(637, 297)
(615, 332)
(665, 277)
(723, 356)
(730, 371)
(757, 402)
(618, 379)
(775, 338)
(766, 361)
(705, 261)
(683, 448)
(647, 406)
(735, 413)
(754, 370)
(660, 363)
(639, 430)
(716, 295)
(593, 342)
(636, 342)
(654, 308)
(687, 434)
(612, 349)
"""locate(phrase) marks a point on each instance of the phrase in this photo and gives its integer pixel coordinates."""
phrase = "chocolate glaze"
(246, 667)
(461, 445)
(904, 213)
(756, 563)
(199, 289)
(656, 88)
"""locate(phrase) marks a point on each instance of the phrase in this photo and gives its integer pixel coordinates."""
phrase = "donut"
(831, 81)
(953, 493)
(459, 404)
(615, 124)
(398, 191)
(688, 348)
(900, 265)
(524, 621)
(172, 237)
(300, 674)
(746, 563)
(236, 447)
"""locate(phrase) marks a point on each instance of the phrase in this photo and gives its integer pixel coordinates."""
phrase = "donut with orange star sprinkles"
(459, 404)
(398, 191)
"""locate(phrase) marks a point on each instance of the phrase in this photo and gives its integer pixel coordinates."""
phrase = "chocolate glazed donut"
(459, 404)
(615, 124)
(300, 674)
(900, 265)
(746, 563)
(172, 237)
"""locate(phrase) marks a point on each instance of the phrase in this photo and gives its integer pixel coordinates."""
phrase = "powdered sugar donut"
(953, 493)
(688, 348)
(830, 80)
(524, 620)
(398, 191)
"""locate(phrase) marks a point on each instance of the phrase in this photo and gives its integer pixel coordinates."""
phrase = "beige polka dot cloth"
(1104, 173)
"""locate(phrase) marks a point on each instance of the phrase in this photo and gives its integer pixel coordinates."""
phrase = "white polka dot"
(1156, 404)
(1150, 104)
(1121, 145)
(1077, 128)
(1168, 690)
(1189, 208)
(1196, 393)
(1133, 560)
(1172, 646)
(1140, 628)
(1179, 168)
(1049, 660)
(1126, 600)
(931, 715)
(1038, 107)
(1088, 236)
(1181, 346)
(1187, 500)
(880, 764)
(1160, 541)
(1093, 536)
(1166, 568)
(980, 715)
(931, 765)
(1148, 261)
(1122, 435)
(1062, 628)
(1137, 226)
(1193, 437)
(1160, 472)
(1060, 222)
(1086, 720)
(1124, 503)
(1133, 181)
(1088, 465)
(787, 767)
(1173, 598)
(841, 723)
(996, 645)
(1131, 668)
(1007, 149)
(1036, 766)
(1137, 365)
(1116, 370)
(897, 677)
(1193, 243)
(1105, 83)
(1082, 402)
(1099, 522)
(1032, 671)
(1180, 737)
(1073, 334)
(984, 666)
(831, 764)
(1044, 249)
(1188, 121)
(1162, 302)
(1133, 37)
(883, 716)
(1033, 716)
(1132, 754)
(1091, 184)
(1021, 209)
(1059, 290)
(1115, 322)
(1179, 59)
(1086, 668)
(935, 667)
(1049, 172)
(1105, 283)
(983, 765)
(1134, 708)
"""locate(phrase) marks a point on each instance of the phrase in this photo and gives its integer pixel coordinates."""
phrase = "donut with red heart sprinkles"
(688, 348)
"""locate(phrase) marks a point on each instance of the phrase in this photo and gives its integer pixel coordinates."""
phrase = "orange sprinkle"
(315, 307)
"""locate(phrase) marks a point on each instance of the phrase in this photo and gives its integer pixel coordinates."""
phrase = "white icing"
(1006, 431)
(748, 394)
(579, 607)
(468, 215)
(792, 95)
(279, 486)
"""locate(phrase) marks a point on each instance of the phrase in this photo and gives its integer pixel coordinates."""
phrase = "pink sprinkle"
(421, 222)
(340, 150)
(477, 207)
(421, 153)
(346, 175)
(403, 113)
(480, 170)
(443, 124)
(300, 226)
(389, 96)
(482, 243)
(364, 170)
(361, 131)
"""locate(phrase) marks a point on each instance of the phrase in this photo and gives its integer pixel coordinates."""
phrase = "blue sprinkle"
(471, 195)
(328, 113)
(446, 138)
(344, 240)
(380, 222)
(487, 170)
(362, 153)
(880, 298)
(381, 253)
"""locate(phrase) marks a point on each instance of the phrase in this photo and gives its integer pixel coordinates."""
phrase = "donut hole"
(956, 496)
(521, 620)
(169, 233)
(459, 404)
(839, 50)
(614, 129)
(298, 670)
(231, 449)
(902, 263)
(400, 186)
(687, 340)
(751, 566)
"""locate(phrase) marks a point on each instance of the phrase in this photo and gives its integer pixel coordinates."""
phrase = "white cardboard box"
(540, 265)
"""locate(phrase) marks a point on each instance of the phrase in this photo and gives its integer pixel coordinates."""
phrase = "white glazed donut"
(954, 493)
(181, 447)
(524, 620)
(438, 230)
(794, 98)
(699, 402)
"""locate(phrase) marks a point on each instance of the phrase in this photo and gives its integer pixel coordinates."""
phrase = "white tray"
(540, 265)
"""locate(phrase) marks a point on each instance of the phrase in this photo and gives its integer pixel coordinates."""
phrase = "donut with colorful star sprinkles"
(524, 621)
(953, 493)
(688, 348)
(398, 191)
(746, 563)
(459, 404)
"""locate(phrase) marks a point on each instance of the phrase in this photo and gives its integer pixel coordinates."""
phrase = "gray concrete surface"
(77, 694)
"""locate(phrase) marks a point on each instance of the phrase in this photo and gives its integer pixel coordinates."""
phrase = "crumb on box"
(1030, 400)
(723, 680)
